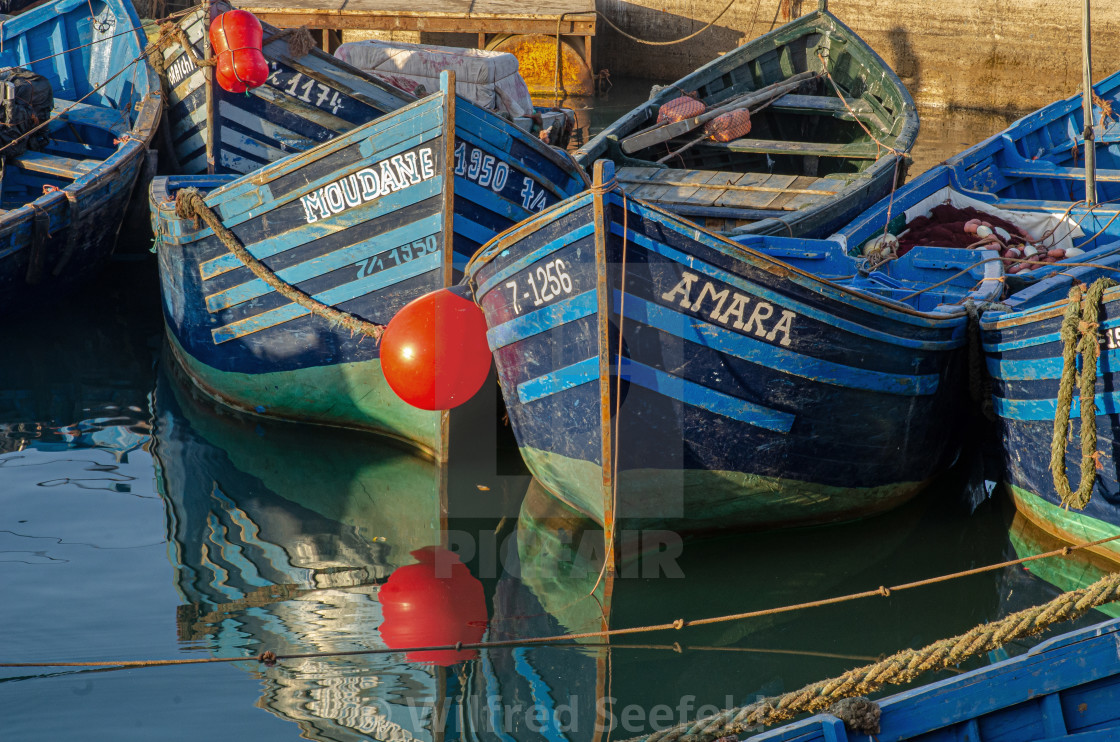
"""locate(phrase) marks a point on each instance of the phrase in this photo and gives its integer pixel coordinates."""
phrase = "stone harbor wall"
(982, 55)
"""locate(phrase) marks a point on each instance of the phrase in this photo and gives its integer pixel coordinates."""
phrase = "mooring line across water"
(270, 658)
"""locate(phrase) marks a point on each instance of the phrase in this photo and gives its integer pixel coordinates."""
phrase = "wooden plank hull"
(365, 223)
(1033, 166)
(863, 141)
(61, 208)
(747, 392)
(305, 102)
(1024, 358)
(1063, 689)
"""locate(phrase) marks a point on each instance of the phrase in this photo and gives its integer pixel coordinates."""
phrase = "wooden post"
(1087, 106)
(209, 75)
(822, 5)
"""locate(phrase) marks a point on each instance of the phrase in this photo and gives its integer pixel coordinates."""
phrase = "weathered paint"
(1062, 689)
(305, 102)
(734, 388)
(793, 146)
(1027, 167)
(366, 222)
(63, 206)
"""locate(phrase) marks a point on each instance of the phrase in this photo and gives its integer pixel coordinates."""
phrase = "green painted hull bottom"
(1069, 526)
(695, 500)
(344, 395)
(1066, 573)
(388, 495)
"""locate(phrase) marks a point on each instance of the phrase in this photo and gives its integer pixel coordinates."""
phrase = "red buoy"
(236, 37)
(437, 602)
(434, 353)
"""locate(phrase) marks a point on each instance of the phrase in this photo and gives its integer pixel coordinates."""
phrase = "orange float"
(437, 602)
(236, 38)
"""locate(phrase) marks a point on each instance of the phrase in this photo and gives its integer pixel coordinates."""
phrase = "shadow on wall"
(628, 58)
(903, 60)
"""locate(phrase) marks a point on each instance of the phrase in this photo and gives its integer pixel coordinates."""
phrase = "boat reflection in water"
(1079, 569)
(328, 542)
(288, 542)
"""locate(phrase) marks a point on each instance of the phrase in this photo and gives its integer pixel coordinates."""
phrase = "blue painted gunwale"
(252, 349)
(1064, 689)
(51, 241)
(860, 375)
(767, 59)
(305, 102)
(1029, 166)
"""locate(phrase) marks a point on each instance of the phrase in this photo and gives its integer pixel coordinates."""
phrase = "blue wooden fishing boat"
(1063, 689)
(831, 127)
(365, 223)
(655, 373)
(1036, 158)
(62, 203)
(309, 98)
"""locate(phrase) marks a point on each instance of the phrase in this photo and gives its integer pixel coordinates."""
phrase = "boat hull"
(307, 100)
(748, 393)
(366, 223)
(810, 162)
(1026, 694)
(1024, 358)
(63, 206)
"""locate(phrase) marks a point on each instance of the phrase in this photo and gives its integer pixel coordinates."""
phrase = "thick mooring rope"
(190, 204)
(1078, 334)
(300, 41)
(899, 669)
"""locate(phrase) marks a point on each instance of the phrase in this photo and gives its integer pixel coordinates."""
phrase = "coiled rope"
(1079, 335)
(189, 204)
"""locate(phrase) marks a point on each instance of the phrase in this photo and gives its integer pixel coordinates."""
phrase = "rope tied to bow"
(1079, 335)
(189, 204)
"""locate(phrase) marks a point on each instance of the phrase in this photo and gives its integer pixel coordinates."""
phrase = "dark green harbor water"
(139, 521)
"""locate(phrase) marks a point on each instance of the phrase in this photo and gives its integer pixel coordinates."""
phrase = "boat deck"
(736, 198)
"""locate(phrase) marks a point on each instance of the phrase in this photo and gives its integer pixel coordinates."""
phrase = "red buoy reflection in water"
(434, 353)
(434, 603)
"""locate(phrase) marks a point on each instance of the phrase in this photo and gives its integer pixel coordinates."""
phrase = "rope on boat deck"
(574, 640)
(190, 204)
(898, 669)
(1078, 334)
(169, 33)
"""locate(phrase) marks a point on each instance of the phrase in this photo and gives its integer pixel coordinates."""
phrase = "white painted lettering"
(718, 298)
(738, 306)
(399, 171)
(785, 324)
(762, 311)
(684, 288)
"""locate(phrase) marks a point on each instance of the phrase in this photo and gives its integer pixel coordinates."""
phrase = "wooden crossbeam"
(726, 187)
